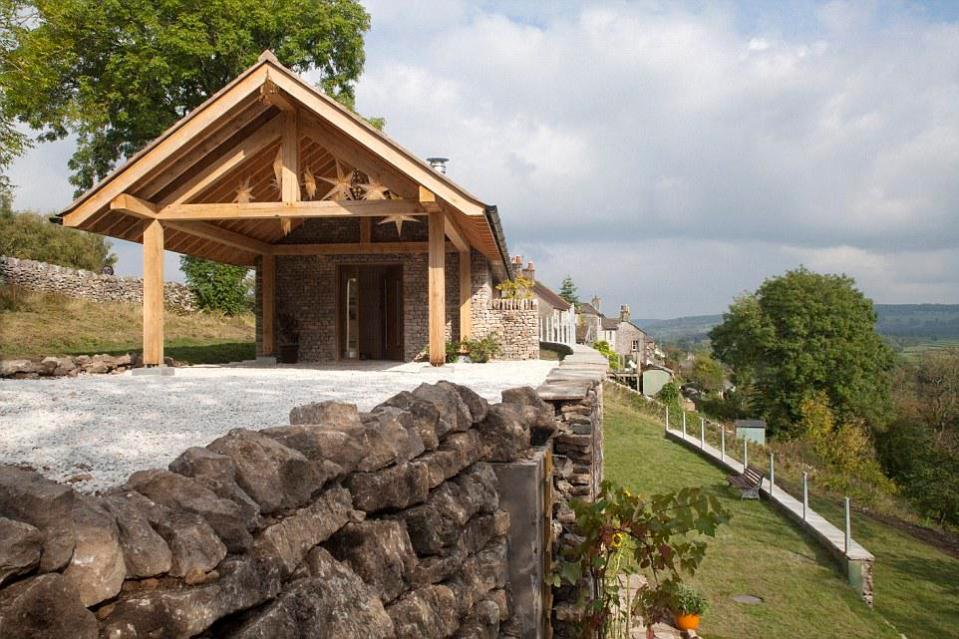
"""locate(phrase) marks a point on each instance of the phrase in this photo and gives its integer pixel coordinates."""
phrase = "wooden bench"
(749, 482)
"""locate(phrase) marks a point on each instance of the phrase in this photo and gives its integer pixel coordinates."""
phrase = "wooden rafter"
(222, 236)
(243, 150)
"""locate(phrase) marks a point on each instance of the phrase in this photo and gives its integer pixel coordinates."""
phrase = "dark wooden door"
(393, 312)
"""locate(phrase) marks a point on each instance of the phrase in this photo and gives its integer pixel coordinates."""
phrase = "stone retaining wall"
(342, 524)
(50, 278)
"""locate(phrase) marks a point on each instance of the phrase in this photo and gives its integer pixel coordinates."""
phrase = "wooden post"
(153, 294)
(290, 165)
(437, 288)
(466, 295)
(268, 303)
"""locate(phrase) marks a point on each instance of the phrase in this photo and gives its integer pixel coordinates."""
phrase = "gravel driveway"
(98, 429)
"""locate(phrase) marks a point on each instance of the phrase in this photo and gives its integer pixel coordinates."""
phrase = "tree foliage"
(117, 73)
(218, 287)
(920, 449)
(803, 333)
(707, 374)
(31, 236)
(13, 15)
(567, 290)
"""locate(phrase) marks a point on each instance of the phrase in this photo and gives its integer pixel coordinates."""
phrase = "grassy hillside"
(37, 324)
(760, 553)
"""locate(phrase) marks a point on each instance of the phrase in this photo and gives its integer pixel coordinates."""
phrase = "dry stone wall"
(341, 524)
(50, 278)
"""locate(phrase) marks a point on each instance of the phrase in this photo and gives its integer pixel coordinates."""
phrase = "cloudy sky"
(672, 155)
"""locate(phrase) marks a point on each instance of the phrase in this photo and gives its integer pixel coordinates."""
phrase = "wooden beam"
(271, 94)
(266, 210)
(453, 232)
(178, 136)
(374, 248)
(466, 295)
(153, 294)
(366, 230)
(241, 151)
(134, 206)
(222, 236)
(437, 289)
(268, 303)
(290, 158)
(428, 200)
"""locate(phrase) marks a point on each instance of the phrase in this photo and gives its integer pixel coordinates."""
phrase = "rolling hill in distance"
(903, 323)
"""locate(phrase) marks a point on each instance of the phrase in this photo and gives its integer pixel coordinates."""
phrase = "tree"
(803, 332)
(117, 73)
(707, 374)
(13, 15)
(218, 287)
(30, 236)
(567, 290)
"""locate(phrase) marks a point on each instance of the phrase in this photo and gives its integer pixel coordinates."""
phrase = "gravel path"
(98, 429)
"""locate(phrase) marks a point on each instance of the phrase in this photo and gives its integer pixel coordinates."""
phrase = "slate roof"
(550, 297)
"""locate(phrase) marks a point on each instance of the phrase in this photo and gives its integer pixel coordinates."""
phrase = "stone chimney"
(530, 271)
(624, 313)
(595, 302)
(438, 164)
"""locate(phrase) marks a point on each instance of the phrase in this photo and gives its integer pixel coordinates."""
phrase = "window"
(635, 344)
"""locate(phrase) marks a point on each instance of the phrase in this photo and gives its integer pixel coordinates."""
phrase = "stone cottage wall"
(342, 524)
(306, 288)
(514, 325)
(50, 278)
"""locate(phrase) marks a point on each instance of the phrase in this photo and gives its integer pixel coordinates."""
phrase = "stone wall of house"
(342, 524)
(514, 325)
(50, 278)
(306, 288)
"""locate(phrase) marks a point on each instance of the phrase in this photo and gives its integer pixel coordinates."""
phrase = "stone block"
(425, 613)
(392, 488)
(505, 434)
(44, 607)
(27, 496)
(20, 548)
(97, 569)
(380, 552)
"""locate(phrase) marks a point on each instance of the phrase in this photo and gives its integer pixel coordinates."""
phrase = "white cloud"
(682, 155)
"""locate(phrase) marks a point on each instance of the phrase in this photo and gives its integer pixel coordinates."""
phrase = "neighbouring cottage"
(624, 337)
(361, 249)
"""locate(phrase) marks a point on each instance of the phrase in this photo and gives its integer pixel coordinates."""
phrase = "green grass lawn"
(40, 324)
(760, 553)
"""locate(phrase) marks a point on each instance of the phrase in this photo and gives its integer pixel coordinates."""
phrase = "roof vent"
(438, 164)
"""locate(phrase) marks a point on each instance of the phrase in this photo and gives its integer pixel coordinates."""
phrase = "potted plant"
(289, 347)
(688, 606)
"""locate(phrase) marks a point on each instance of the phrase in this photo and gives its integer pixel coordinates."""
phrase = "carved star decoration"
(398, 221)
(375, 190)
(309, 183)
(342, 184)
(244, 193)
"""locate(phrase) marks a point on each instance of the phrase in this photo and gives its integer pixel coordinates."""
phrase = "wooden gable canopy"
(231, 179)
(265, 135)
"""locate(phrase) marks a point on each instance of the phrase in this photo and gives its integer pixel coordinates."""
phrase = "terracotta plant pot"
(687, 622)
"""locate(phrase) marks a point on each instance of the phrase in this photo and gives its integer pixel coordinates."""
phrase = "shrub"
(452, 351)
(218, 287)
(481, 350)
(30, 236)
(624, 534)
(520, 288)
(688, 601)
(605, 349)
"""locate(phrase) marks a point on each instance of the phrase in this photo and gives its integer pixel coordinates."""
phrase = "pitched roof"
(587, 309)
(236, 113)
(610, 323)
(550, 297)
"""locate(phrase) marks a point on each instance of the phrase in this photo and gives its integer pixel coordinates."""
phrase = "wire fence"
(723, 438)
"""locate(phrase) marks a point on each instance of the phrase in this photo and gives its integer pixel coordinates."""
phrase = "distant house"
(589, 322)
(556, 316)
(624, 337)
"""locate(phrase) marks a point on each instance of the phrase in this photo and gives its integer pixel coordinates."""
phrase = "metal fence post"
(722, 442)
(848, 527)
(805, 495)
(667, 417)
(684, 424)
(745, 453)
(702, 432)
(772, 473)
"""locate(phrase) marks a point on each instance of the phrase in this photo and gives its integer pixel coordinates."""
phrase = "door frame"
(338, 304)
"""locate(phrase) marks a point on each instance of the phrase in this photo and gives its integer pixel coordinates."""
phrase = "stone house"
(624, 337)
(361, 249)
